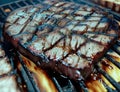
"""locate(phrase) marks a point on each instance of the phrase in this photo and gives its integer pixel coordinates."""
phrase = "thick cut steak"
(64, 37)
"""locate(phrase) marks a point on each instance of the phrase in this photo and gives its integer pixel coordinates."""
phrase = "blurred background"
(6, 1)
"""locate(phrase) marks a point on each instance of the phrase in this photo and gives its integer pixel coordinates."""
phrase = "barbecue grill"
(106, 76)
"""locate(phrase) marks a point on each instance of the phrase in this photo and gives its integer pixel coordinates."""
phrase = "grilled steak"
(64, 37)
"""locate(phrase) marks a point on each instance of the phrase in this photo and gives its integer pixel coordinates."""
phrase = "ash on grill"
(106, 76)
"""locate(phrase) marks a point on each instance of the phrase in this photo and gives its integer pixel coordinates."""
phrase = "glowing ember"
(115, 56)
(7, 10)
(114, 73)
(40, 77)
(107, 82)
(95, 86)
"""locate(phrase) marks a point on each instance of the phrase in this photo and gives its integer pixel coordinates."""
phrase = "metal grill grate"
(69, 85)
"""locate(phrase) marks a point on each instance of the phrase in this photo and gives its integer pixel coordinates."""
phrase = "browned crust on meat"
(58, 66)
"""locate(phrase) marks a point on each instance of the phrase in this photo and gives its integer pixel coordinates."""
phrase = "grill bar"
(72, 86)
(82, 85)
(14, 5)
(57, 84)
(108, 88)
(18, 5)
(3, 11)
(11, 7)
(113, 61)
(32, 2)
(111, 80)
(36, 89)
(63, 84)
(22, 75)
(25, 3)
(118, 42)
(116, 49)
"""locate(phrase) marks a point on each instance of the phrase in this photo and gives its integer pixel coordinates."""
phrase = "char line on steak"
(64, 37)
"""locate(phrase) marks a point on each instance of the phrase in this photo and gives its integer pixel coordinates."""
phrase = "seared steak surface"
(62, 36)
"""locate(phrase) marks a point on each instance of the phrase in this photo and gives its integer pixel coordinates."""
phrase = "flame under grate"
(107, 73)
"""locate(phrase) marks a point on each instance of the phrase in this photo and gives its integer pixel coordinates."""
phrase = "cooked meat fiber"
(64, 37)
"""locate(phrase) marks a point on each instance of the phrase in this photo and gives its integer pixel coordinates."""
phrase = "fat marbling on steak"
(64, 37)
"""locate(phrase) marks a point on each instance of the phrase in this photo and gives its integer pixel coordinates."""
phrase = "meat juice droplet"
(106, 64)
(95, 76)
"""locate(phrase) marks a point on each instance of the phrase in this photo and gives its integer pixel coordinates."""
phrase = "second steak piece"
(58, 37)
